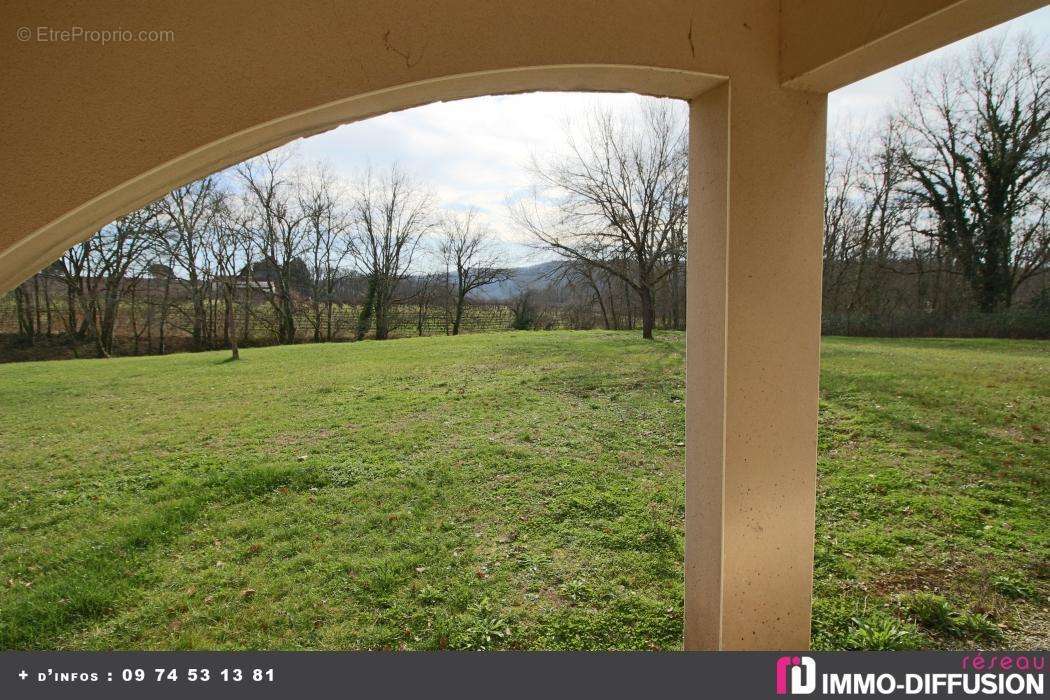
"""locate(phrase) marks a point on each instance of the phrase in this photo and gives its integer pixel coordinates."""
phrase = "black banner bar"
(191, 675)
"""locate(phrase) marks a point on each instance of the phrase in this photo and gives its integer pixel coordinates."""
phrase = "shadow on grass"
(956, 434)
(90, 585)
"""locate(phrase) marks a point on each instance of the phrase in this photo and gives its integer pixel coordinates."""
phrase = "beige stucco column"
(755, 228)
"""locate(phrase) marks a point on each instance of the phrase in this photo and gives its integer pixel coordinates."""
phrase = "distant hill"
(536, 276)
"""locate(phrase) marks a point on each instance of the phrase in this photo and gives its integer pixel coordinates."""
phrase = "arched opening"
(752, 454)
(579, 499)
(46, 243)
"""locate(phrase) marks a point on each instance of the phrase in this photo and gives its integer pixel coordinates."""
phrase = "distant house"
(264, 276)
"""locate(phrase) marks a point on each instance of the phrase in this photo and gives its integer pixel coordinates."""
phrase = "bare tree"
(188, 242)
(327, 228)
(390, 214)
(864, 221)
(25, 309)
(842, 217)
(231, 252)
(427, 287)
(470, 258)
(276, 225)
(111, 254)
(71, 268)
(977, 152)
(619, 198)
(574, 275)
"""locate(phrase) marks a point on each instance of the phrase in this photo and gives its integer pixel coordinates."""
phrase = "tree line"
(935, 223)
(274, 242)
(935, 220)
(941, 211)
(286, 245)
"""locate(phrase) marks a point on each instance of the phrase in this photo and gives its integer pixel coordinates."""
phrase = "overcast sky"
(475, 152)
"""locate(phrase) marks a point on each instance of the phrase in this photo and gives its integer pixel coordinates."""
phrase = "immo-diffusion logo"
(803, 675)
(1001, 674)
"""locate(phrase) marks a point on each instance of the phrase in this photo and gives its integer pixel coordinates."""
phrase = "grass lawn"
(507, 490)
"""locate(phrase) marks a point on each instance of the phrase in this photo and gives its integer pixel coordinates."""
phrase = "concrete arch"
(83, 118)
(48, 242)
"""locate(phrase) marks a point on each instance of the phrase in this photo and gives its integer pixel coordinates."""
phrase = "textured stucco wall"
(81, 118)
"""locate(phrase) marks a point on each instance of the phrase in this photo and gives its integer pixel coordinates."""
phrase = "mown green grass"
(511, 490)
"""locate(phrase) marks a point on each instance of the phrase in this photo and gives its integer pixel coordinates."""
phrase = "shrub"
(487, 630)
(935, 613)
(977, 626)
(931, 611)
(528, 315)
(1022, 321)
(881, 632)
(1011, 586)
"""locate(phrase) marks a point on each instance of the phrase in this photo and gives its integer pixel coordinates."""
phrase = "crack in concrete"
(405, 55)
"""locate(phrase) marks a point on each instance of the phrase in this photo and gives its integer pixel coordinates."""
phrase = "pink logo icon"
(803, 672)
